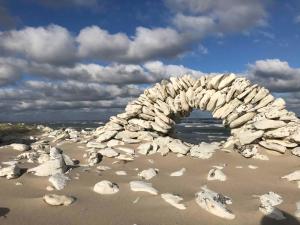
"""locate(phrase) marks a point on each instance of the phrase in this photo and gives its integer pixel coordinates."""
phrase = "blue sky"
(79, 57)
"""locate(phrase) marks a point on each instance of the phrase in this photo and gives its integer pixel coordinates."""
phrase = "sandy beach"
(23, 204)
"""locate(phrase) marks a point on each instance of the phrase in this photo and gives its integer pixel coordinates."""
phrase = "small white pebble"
(121, 173)
(136, 200)
(178, 173)
(19, 183)
(252, 167)
(239, 167)
(49, 188)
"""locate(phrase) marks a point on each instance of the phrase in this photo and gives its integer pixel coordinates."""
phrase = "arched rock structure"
(256, 118)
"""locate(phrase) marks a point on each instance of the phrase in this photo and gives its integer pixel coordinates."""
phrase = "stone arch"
(256, 118)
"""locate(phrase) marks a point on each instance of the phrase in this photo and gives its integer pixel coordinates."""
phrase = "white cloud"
(52, 44)
(275, 74)
(146, 44)
(218, 16)
(95, 42)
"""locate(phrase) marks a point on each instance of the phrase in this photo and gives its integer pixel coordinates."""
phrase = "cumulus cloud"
(275, 74)
(146, 44)
(218, 16)
(52, 44)
(42, 95)
(119, 74)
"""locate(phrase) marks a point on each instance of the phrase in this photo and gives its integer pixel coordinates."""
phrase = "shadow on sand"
(290, 220)
(4, 212)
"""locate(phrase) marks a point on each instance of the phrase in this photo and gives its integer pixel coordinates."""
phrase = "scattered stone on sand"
(56, 200)
(173, 200)
(178, 173)
(106, 187)
(93, 144)
(108, 152)
(59, 180)
(203, 150)
(19, 183)
(144, 148)
(296, 151)
(103, 168)
(239, 167)
(136, 200)
(216, 174)
(126, 150)
(297, 212)
(143, 186)
(93, 158)
(177, 146)
(55, 164)
(148, 174)
(214, 203)
(125, 157)
(294, 176)
(252, 167)
(50, 188)
(10, 172)
(268, 201)
(121, 173)
(20, 147)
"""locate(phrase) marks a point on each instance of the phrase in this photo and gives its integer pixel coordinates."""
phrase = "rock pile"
(257, 119)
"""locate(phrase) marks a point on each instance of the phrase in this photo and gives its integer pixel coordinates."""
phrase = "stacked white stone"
(255, 117)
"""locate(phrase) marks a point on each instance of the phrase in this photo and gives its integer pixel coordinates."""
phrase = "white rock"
(294, 176)
(296, 151)
(268, 201)
(93, 158)
(216, 174)
(249, 152)
(249, 136)
(144, 148)
(50, 188)
(268, 124)
(242, 120)
(57, 200)
(143, 186)
(55, 164)
(93, 144)
(10, 172)
(148, 174)
(107, 136)
(108, 152)
(106, 187)
(177, 146)
(127, 150)
(297, 213)
(59, 180)
(204, 150)
(214, 203)
(114, 142)
(125, 157)
(178, 173)
(173, 200)
(273, 146)
(20, 147)
(103, 168)
(252, 167)
(121, 173)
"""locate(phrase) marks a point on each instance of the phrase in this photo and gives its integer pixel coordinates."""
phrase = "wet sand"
(23, 205)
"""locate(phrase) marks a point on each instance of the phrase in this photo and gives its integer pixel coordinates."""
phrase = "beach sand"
(23, 204)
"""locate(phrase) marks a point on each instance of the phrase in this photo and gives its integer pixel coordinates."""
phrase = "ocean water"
(193, 130)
